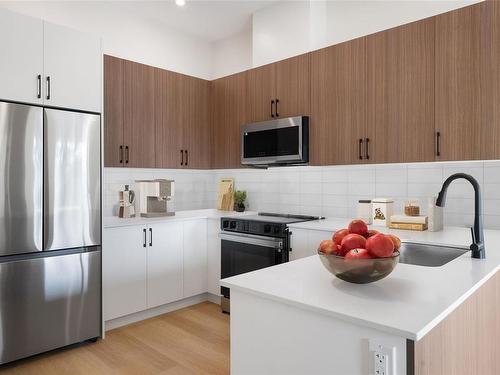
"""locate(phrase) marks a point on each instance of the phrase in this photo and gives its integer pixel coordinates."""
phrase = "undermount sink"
(428, 255)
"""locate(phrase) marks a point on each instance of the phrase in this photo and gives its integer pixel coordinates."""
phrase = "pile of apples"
(359, 242)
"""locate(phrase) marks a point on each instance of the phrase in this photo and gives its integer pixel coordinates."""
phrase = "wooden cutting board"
(225, 199)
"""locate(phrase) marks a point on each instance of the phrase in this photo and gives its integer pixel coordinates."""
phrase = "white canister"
(382, 210)
(365, 210)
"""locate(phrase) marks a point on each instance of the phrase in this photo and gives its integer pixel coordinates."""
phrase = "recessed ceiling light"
(180, 3)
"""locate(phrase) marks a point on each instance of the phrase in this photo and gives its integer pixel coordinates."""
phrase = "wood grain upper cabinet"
(139, 115)
(490, 79)
(261, 93)
(171, 100)
(181, 121)
(281, 89)
(197, 133)
(458, 83)
(228, 104)
(113, 112)
(400, 64)
(338, 104)
(293, 86)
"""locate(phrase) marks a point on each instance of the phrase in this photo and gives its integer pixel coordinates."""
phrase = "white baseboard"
(163, 309)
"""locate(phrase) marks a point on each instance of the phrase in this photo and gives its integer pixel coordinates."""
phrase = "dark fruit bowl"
(359, 271)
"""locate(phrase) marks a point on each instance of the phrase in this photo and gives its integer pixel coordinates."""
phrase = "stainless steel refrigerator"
(50, 229)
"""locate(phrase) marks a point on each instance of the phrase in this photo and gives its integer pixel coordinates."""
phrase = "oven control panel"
(254, 227)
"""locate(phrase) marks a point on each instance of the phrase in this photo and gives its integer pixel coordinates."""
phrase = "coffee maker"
(153, 196)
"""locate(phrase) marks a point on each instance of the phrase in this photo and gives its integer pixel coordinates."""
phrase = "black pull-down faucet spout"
(477, 246)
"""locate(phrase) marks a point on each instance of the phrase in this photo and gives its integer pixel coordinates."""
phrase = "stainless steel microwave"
(276, 142)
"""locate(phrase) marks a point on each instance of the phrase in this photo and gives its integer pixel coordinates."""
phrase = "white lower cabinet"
(145, 266)
(305, 242)
(165, 263)
(124, 276)
(195, 257)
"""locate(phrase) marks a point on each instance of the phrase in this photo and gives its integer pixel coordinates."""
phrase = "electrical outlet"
(380, 363)
(382, 359)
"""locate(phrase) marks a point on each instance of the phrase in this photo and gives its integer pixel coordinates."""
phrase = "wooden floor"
(194, 340)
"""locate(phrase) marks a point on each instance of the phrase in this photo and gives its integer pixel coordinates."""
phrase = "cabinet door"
(228, 103)
(113, 112)
(261, 91)
(171, 108)
(139, 115)
(490, 80)
(123, 271)
(401, 92)
(213, 257)
(293, 86)
(338, 104)
(458, 83)
(165, 263)
(195, 257)
(73, 62)
(197, 133)
(21, 46)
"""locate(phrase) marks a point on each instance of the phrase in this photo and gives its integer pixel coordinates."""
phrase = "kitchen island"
(297, 318)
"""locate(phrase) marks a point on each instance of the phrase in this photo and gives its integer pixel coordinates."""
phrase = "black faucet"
(477, 246)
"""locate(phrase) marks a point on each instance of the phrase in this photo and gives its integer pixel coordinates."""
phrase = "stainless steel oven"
(252, 242)
(276, 142)
(241, 253)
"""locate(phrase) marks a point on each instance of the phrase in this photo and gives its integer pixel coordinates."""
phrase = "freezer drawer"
(72, 177)
(49, 302)
(21, 154)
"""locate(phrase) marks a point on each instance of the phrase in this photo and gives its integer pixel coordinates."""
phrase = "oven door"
(242, 253)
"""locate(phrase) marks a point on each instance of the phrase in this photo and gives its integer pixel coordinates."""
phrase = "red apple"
(358, 227)
(352, 241)
(339, 235)
(328, 247)
(371, 232)
(358, 254)
(380, 246)
(395, 240)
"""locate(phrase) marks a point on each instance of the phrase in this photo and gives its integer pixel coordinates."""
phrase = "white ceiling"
(210, 20)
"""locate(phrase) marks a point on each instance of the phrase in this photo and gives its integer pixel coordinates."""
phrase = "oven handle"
(272, 242)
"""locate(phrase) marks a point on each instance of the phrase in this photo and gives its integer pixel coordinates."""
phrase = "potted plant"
(239, 200)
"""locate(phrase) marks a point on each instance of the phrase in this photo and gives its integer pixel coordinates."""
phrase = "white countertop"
(409, 302)
(114, 221)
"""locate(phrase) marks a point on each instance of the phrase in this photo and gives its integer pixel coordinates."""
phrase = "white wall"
(290, 28)
(280, 30)
(126, 35)
(232, 55)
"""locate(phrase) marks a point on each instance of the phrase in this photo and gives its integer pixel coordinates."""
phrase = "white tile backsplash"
(331, 191)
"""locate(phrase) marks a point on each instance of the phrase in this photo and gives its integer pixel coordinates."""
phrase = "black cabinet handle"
(182, 157)
(277, 112)
(438, 144)
(367, 155)
(39, 86)
(272, 109)
(48, 87)
(150, 236)
(144, 239)
(360, 146)
(126, 154)
(187, 158)
(121, 154)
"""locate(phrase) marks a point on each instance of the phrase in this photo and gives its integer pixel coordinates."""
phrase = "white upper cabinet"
(72, 69)
(195, 257)
(21, 57)
(165, 263)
